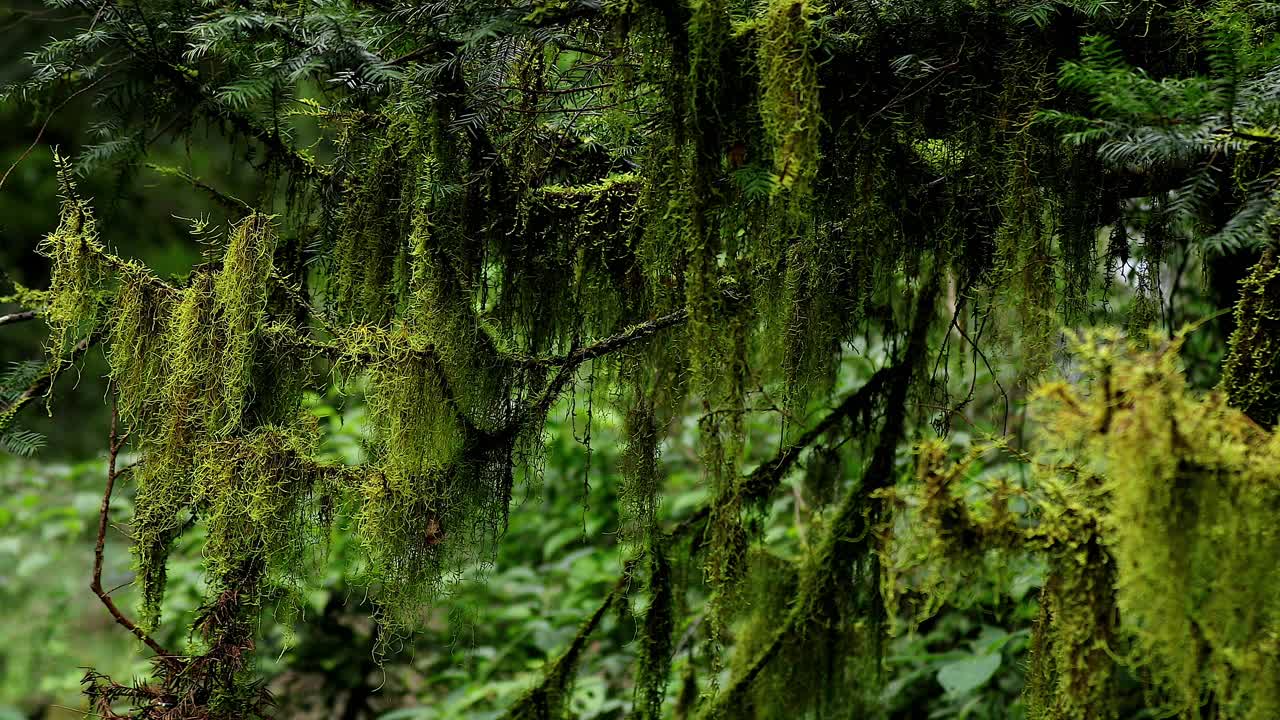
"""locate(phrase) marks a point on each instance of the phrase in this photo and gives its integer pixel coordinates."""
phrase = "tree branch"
(115, 442)
(847, 537)
(761, 482)
(44, 380)
(569, 362)
(17, 317)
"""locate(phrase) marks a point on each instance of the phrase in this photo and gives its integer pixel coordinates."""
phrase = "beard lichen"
(78, 274)
(1151, 505)
(1249, 372)
(789, 106)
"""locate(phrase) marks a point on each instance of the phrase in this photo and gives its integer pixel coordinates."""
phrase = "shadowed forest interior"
(715, 359)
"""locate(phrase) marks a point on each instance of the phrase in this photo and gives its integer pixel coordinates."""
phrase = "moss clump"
(242, 293)
(1251, 369)
(1191, 483)
(78, 275)
(1153, 507)
(789, 104)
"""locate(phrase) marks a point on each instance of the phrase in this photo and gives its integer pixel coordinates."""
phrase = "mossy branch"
(570, 362)
(846, 541)
(758, 485)
(44, 381)
(613, 343)
(547, 698)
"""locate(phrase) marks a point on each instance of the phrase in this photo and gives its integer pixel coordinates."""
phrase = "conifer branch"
(40, 386)
(762, 481)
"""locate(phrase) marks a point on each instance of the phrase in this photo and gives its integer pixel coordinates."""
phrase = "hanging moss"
(789, 104)
(241, 291)
(254, 495)
(165, 479)
(1189, 479)
(813, 327)
(78, 274)
(642, 488)
(654, 662)
(368, 247)
(767, 183)
(573, 251)
(135, 347)
(416, 429)
(1250, 367)
(1024, 251)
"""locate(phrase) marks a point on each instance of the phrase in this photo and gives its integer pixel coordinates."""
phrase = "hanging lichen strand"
(1249, 373)
(1153, 507)
(77, 275)
(789, 106)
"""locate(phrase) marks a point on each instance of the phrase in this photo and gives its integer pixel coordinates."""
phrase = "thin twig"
(233, 204)
(45, 126)
(18, 317)
(115, 442)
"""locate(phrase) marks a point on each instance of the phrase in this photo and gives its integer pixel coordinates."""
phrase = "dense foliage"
(810, 234)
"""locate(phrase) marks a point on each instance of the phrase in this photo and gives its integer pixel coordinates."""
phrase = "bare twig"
(115, 443)
(45, 125)
(17, 317)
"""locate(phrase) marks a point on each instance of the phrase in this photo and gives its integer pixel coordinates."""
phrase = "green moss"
(78, 274)
(641, 491)
(789, 106)
(254, 495)
(135, 345)
(1189, 480)
(241, 292)
(1149, 504)
(465, 266)
(1251, 369)
(653, 664)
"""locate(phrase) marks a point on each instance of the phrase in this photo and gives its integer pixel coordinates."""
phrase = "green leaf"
(965, 676)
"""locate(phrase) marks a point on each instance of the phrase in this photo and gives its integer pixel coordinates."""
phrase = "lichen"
(1249, 371)
(1149, 504)
(789, 106)
(78, 274)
